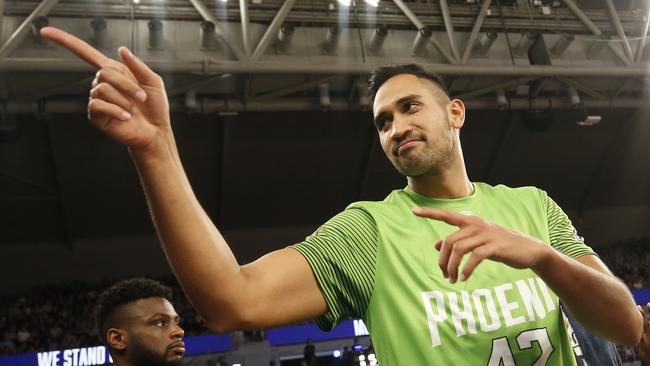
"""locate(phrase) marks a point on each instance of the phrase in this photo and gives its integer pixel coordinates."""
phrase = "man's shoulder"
(502, 189)
(394, 199)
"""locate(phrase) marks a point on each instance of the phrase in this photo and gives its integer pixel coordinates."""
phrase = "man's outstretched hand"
(127, 100)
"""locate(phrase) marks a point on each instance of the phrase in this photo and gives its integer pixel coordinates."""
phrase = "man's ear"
(116, 339)
(456, 113)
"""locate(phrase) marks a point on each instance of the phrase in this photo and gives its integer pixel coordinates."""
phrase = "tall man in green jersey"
(505, 255)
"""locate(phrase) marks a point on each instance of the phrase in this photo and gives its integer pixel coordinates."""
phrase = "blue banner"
(642, 297)
(301, 333)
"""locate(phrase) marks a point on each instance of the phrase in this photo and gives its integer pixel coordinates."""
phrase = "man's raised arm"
(129, 103)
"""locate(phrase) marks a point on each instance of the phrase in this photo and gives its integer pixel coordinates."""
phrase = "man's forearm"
(600, 301)
(198, 254)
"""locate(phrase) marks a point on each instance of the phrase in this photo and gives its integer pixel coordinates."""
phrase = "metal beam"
(491, 88)
(22, 32)
(590, 92)
(272, 30)
(294, 88)
(449, 26)
(641, 46)
(419, 25)
(2, 15)
(477, 26)
(619, 28)
(193, 85)
(64, 87)
(207, 15)
(595, 30)
(210, 67)
(243, 10)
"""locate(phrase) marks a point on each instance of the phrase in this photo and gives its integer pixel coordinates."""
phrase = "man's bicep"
(282, 290)
(593, 261)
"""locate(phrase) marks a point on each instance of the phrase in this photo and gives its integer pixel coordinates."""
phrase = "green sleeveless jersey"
(376, 261)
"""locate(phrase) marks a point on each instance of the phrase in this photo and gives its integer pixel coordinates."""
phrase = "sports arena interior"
(272, 117)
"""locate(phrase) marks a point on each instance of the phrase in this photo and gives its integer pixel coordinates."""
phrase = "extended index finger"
(449, 217)
(80, 48)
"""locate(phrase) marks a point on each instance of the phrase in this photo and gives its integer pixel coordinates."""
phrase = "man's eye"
(408, 107)
(380, 123)
(159, 323)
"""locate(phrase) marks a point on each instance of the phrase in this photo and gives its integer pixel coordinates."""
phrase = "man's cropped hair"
(382, 73)
(126, 292)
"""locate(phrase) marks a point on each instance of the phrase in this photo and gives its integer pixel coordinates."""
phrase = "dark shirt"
(593, 350)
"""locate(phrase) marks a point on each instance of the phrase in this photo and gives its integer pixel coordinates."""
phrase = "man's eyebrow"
(400, 101)
(159, 315)
(407, 98)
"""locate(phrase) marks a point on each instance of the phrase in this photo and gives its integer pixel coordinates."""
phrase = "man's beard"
(143, 356)
(428, 161)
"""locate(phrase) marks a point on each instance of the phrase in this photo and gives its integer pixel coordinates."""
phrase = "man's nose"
(178, 332)
(400, 127)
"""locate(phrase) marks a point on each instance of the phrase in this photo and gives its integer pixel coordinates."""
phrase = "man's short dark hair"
(382, 73)
(126, 292)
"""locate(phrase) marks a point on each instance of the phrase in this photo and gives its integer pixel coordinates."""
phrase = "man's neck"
(452, 183)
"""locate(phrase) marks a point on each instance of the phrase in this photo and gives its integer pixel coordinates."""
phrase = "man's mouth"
(407, 144)
(177, 348)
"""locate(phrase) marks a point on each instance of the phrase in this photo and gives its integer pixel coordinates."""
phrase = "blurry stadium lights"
(562, 43)
(420, 41)
(525, 42)
(285, 34)
(502, 101)
(191, 102)
(136, 1)
(100, 36)
(207, 35)
(345, 2)
(484, 42)
(377, 39)
(332, 38)
(595, 46)
(336, 354)
(39, 23)
(155, 34)
(373, 3)
(364, 97)
(574, 97)
(324, 93)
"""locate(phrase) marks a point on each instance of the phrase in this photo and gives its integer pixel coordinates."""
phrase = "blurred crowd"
(61, 316)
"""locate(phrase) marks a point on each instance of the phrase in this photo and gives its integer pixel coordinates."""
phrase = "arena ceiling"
(271, 113)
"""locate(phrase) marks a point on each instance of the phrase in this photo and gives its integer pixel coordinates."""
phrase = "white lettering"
(360, 328)
(67, 357)
(507, 307)
(48, 358)
(501, 355)
(83, 357)
(432, 317)
(75, 357)
(491, 308)
(110, 358)
(101, 355)
(531, 299)
(458, 316)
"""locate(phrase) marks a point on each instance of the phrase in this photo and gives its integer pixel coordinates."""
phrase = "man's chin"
(175, 360)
